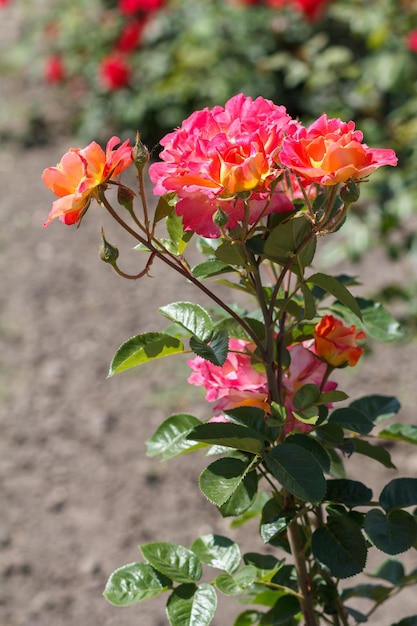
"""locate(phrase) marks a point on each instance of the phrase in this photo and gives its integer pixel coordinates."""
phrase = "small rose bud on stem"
(108, 252)
(140, 153)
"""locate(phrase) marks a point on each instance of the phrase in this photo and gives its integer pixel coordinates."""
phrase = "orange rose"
(78, 175)
(336, 343)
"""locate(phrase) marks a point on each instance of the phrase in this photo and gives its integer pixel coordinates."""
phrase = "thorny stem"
(179, 267)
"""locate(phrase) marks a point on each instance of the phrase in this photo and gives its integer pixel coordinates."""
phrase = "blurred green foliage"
(355, 61)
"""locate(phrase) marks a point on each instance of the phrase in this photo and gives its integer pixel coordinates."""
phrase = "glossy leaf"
(285, 243)
(298, 471)
(220, 480)
(306, 395)
(399, 493)
(274, 521)
(212, 267)
(235, 585)
(142, 349)
(170, 438)
(216, 352)
(340, 546)
(247, 618)
(392, 533)
(191, 605)
(309, 302)
(242, 498)
(230, 435)
(314, 447)
(406, 433)
(165, 207)
(190, 316)
(230, 253)
(349, 492)
(336, 289)
(173, 560)
(254, 419)
(218, 551)
(133, 583)
(407, 621)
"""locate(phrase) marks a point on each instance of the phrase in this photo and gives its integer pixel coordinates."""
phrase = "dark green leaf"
(349, 492)
(216, 352)
(133, 583)
(378, 453)
(306, 395)
(230, 435)
(351, 419)
(170, 438)
(284, 608)
(314, 447)
(371, 592)
(264, 563)
(189, 605)
(340, 545)
(393, 533)
(391, 570)
(254, 418)
(190, 316)
(407, 621)
(247, 618)
(274, 520)
(238, 583)
(213, 267)
(298, 471)
(231, 253)
(331, 434)
(399, 493)
(144, 348)
(242, 498)
(218, 551)
(406, 433)
(220, 480)
(337, 289)
(309, 302)
(172, 560)
(377, 408)
(290, 241)
(164, 207)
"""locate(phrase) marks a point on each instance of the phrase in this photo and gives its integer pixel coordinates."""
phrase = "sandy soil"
(76, 489)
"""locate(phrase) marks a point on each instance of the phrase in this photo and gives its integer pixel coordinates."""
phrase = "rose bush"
(279, 443)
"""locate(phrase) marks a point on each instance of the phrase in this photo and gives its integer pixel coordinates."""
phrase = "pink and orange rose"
(331, 151)
(79, 174)
(336, 343)
(220, 153)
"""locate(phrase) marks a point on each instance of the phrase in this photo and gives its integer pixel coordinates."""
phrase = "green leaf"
(377, 408)
(399, 493)
(309, 302)
(341, 546)
(247, 618)
(218, 551)
(230, 435)
(238, 583)
(285, 607)
(170, 438)
(393, 533)
(231, 253)
(173, 560)
(189, 605)
(407, 621)
(174, 227)
(314, 447)
(164, 207)
(337, 289)
(142, 349)
(330, 433)
(266, 564)
(220, 479)
(284, 243)
(391, 570)
(349, 492)
(406, 433)
(216, 352)
(212, 267)
(133, 583)
(254, 418)
(190, 316)
(352, 419)
(298, 471)
(274, 520)
(376, 452)
(378, 593)
(242, 498)
(306, 395)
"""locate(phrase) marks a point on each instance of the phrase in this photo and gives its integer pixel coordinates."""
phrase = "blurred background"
(77, 492)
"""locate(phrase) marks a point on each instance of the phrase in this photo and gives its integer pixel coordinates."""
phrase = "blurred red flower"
(412, 40)
(114, 72)
(130, 36)
(129, 7)
(54, 71)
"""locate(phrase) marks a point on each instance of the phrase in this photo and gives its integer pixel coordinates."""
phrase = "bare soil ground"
(77, 493)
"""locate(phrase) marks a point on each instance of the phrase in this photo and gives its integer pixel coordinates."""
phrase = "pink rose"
(331, 151)
(219, 153)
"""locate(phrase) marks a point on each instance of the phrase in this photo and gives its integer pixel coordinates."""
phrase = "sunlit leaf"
(133, 583)
(190, 316)
(142, 349)
(192, 605)
(218, 551)
(172, 560)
